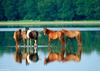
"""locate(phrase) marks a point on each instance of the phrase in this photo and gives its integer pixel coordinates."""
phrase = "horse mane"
(47, 31)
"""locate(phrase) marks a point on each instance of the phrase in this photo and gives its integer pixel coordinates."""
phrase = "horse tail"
(14, 35)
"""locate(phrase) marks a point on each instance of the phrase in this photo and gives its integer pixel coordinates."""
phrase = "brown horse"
(52, 35)
(19, 36)
(73, 34)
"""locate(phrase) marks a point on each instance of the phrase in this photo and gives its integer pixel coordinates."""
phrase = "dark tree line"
(49, 9)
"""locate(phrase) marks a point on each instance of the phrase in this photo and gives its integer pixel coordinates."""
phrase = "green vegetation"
(30, 23)
(47, 10)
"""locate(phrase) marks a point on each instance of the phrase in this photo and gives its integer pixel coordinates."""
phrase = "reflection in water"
(27, 54)
(75, 57)
(53, 56)
(61, 56)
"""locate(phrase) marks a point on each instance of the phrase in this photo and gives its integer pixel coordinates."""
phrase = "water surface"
(90, 58)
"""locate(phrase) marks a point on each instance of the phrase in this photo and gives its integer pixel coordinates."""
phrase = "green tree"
(10, 9)
(2, 16)
(66, 10)
(31, 9)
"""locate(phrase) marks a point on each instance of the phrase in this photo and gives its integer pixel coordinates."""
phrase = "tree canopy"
(49, 10)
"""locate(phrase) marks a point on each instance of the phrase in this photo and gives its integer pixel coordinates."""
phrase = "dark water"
(90, 58)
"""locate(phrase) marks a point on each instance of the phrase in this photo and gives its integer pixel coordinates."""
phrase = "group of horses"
(32, 35)
(52, 35)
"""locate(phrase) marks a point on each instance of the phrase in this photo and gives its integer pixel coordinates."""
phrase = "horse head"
(46, 31)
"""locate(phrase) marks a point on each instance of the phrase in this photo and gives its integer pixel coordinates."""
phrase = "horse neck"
(23, 34)
(48, 31)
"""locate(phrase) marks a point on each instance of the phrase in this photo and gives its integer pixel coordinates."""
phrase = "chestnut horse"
(73, 34)
(52, 35)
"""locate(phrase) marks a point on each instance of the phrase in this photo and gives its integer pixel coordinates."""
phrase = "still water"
(90, 57)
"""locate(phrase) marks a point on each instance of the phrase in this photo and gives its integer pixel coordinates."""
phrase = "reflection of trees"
(7, 50)
(91, 41)
(2, 34)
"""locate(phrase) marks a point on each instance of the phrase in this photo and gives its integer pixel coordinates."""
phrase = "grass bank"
(31, 23)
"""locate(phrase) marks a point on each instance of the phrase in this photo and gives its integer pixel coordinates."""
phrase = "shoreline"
(50, 23)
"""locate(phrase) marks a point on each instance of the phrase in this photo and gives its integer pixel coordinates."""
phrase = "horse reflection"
(18, 56)
(73, 34)
(29, 55)
(74, 57)
(53, 56)
(33, 57)
(52, 35)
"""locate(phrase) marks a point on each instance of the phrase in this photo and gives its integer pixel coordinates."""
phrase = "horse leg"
(79, 52)
(49, 41)
(30, 42)
(17, 46)
(62, 42)
(35, 41)
(35, 46)
(24, 41)
(79, 45)
(78, 38)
